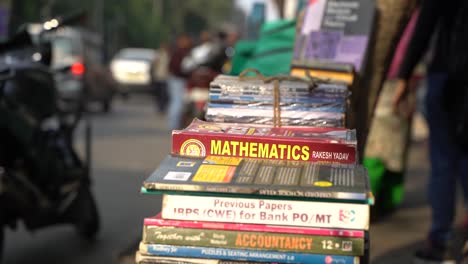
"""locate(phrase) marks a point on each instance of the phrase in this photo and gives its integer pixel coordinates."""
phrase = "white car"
(132, 68)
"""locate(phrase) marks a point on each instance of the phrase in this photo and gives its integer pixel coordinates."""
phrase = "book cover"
(346, 233)
(242, 254)
(200, 138)
(269, 212)
(281, 242)
(260, 177)
(334, 35)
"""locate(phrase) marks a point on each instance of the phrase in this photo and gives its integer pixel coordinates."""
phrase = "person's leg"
(442, 181)
(160, 97)
(156, 94)
(164, 97)
(176, 94)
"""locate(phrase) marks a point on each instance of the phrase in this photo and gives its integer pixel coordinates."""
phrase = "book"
(200, 138)
(260, 177)
(334, 75)
(224, 85)
(269, 212)
(149, 259)
(282, 242)
(269, 100)
(346, 233)
(244, 255)
(266, 117)
(293, 108)
(333, 35)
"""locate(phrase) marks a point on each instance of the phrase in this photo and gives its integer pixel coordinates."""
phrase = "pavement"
(128, 144)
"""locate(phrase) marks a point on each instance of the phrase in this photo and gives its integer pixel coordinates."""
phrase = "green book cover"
(253, 240)
(260, 178)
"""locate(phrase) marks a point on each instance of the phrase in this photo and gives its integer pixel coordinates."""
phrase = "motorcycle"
(43, 180)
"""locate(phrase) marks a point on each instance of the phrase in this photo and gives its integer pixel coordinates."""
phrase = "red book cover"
(314, 144)
(159, 221)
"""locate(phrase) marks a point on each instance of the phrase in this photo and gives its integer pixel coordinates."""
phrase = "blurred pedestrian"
(160, 77)
(217, 55)
(447, 83)
(199, 54)
(177, 81)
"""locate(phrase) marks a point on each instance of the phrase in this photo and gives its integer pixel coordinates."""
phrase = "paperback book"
(242, 254)
(337, 232)
(282, 242)
(334, 34)
(151, 259)
(260, 177)
(269, 212)
(328, 145)
(231, 85)
(266, 117)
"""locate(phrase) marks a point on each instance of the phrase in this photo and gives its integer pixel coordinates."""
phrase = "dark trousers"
(449, 164)
(161, 95)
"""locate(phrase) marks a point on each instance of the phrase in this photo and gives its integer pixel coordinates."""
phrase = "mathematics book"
(326, 145)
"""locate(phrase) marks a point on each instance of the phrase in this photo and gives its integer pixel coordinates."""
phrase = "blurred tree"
(145, 23)
(22, 11)
(138, 23)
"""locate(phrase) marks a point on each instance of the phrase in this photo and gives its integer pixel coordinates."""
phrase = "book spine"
(320, 98)
(293, 119)
(240, 254)
(148, 259)
(271, 212)
(255, 228)
(253, 240)
(292, 107)
(295, 149)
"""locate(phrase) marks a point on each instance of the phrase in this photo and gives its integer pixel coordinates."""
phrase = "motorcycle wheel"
(84, 214)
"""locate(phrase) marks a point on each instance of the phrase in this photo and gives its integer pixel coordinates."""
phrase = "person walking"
(177, 81)
(160, 77)
(447, 80)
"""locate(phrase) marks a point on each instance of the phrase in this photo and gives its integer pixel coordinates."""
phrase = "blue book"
(243, 255)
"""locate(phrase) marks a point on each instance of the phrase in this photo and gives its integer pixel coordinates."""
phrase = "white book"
(266, 211)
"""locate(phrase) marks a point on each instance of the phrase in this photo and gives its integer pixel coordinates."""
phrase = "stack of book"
(237, 193)
(240, 101)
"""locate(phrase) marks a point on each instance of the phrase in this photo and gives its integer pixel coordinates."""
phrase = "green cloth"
(387, 186)
(271, 54)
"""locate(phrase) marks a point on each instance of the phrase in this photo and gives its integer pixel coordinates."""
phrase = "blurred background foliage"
(137, 23)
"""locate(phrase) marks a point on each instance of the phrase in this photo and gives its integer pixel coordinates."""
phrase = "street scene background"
(112, 60)
(128, 145)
